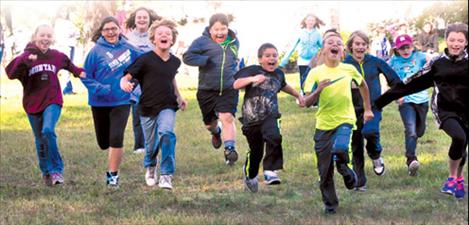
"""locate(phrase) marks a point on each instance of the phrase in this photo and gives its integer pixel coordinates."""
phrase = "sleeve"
(421, 80)
(68, 65)
(194, 54)
(94, 86)
(135, 69)
(283, 83)
(286, 57)
(18, 67)
(247, 72)
(356, 76)
(391, 76)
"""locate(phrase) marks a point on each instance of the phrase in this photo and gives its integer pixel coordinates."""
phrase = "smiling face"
(333, 48)
(310, 21)
(269, 59)
(163, 38)
(219, 32)
(111, 32)
(405, 51)
(359, 48)
(43, 38)
(142, 21)
(456, 41)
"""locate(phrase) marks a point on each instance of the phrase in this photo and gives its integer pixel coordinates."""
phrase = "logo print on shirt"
(120, 60)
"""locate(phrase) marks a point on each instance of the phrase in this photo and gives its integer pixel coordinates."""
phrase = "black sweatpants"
(268, 133)
(458, 131)
(328, 143)
(109, 125)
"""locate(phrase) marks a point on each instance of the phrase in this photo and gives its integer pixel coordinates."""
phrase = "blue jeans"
(159, 133)
(43, 125)
(139, 142)
(413, 116)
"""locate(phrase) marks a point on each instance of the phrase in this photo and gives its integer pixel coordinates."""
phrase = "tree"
(450, 12)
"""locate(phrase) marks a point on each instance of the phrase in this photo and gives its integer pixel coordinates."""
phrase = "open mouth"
(271, 63)
(335, 51)
(164, 41)
(360, 51)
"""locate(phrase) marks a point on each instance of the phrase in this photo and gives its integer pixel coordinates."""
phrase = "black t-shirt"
(260, 101)
(156, 80)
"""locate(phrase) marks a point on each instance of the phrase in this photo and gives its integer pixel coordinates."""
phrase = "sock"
(113, 173)
(230, 144)
(215, 130)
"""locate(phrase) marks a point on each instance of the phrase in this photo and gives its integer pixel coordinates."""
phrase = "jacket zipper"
(223, 65)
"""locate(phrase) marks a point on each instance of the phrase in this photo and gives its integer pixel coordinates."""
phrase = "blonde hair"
(318, 22)
(167, 23)
(37, 30)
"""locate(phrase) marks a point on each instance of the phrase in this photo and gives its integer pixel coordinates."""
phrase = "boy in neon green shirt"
(335, 118)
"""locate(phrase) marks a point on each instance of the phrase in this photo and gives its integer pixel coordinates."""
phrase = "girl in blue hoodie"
(105, 64)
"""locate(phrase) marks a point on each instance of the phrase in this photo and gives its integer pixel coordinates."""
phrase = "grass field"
(206, 191)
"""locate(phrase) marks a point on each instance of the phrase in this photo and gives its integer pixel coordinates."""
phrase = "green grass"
(205, 190)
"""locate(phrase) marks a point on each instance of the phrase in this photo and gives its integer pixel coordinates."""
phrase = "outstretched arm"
(368, 114)
(289, 90)
(182, 103)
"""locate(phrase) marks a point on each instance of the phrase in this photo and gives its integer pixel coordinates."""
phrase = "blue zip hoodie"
(217, 64)
(370, 68)
(104, 67)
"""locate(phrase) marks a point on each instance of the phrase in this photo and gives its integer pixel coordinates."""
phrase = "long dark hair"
(97, 32)
(130, 23)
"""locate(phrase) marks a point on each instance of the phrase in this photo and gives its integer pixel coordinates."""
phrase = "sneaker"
(112, 181)
(271, 177)
(413, 167)
(361, 188)
(150, 176)
(165, 182)
(216, 139)
(57, 178)
(378, 166)
(450, 186)
(231, 156)
(329, 211)
(350, 180)
(251, 184)
(459, 193)
(47, 179)
(139, 151)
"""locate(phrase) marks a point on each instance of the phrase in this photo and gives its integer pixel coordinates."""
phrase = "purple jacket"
(41, 86)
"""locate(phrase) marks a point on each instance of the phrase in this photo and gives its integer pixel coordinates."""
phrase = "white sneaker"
(271, 177)
(378, 166)
(150, 176)
(165, 182)
(413, 168)
(139, 151)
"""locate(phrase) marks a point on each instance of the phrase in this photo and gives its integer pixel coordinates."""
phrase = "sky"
(256, 22)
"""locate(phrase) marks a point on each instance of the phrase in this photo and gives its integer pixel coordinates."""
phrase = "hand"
(400, 101)
(126, 85)
(182, 103)
(258, 79)
(301, 101)
(323, 84)
(368, 115)
(32, 57)
(82, 75)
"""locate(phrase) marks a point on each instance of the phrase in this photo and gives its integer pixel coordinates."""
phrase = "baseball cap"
(402, 40)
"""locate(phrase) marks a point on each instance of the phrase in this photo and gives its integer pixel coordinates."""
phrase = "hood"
(231, 33)
(103, 42)
(33, 49)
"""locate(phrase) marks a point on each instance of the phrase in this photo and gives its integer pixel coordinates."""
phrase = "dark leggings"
(458, 133)
(109, 124)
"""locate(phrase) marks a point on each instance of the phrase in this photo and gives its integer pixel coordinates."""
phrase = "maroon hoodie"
(41, 86)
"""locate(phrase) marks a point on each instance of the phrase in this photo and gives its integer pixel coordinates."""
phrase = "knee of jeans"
(370, 135)
(340, 146)
(48, 132)
(167, 137)
(411, 133)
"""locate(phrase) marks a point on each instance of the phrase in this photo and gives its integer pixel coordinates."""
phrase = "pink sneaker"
(57, 178)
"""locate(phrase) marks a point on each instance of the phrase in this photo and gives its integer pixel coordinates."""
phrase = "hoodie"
(104, 66)
(217, 64)
(41, 86)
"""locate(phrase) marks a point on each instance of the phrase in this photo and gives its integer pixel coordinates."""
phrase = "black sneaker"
(231, 156)
(351, 179)
(329, 211)
(216, 141)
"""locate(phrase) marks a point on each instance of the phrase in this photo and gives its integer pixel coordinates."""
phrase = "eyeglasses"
(113, 29)
(405, 47)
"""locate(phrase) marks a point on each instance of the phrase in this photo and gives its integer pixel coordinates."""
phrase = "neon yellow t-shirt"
(335, 101)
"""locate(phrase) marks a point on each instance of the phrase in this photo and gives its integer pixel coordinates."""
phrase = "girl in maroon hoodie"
(37, 69)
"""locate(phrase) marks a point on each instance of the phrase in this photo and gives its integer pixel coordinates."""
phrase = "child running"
(335, 117)
(260, 115)
(156, 71)
(37, 70)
